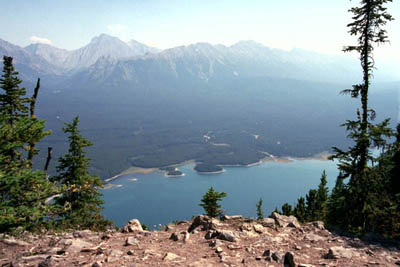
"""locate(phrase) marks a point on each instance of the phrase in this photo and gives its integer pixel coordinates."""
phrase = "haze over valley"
(146, 107)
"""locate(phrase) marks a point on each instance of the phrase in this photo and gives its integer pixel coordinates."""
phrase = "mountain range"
(147, 107)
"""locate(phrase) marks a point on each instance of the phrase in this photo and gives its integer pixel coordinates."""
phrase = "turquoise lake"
(155, 199)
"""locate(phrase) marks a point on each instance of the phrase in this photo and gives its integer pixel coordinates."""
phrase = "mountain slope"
(30, 66)
(103, 46)
(50, 53)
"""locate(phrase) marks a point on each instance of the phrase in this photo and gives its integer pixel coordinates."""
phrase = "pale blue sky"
(318, 25)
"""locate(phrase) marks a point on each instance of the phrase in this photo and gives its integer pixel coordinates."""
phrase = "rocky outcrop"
(285, 221)
(133, 226)
(235, 241)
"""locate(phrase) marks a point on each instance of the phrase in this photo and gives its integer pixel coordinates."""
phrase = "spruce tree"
(13, 101)
(23, 192)
(260, 213)
(286, 209)
(12, 106)
(367, 25)
(300, 210)
(210, 202)
(311, 205)
(322, 198)
(82, 195)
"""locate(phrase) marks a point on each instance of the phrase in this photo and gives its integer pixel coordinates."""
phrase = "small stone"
(297, 247)
(186, 236)
(369, 252)
(34, 257)
(313, 237)
(97, 264)
(258, 228)
(289, 260)
(174, 237)
(112, 259)
(200, 220)
(130, 252)
(14, 242)
(106, 237)
(319, 225)
(284, 221)
(233, 247)
(339, 252)
(215, 243)
(170, 257)
(49, 262)
(54, 250)
(210, 234)
(277, 256)
(76, 245)
(294, 224)
(227, 236)
(115, 253)
(231, 218)
(133, 226)
(246, 227)
(258, 258)
(131, 241)
(218, 250)
(268, 222)
(267, 253)
(169, 228)
(83, 234)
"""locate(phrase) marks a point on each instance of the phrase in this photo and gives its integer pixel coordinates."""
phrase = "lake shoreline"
(323, 156)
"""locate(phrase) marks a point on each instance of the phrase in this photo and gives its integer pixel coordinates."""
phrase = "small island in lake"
(204, 168)
(172, 171)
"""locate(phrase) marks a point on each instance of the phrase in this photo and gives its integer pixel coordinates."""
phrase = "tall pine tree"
(367, 25)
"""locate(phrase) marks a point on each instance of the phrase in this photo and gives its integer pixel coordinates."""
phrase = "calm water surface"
(155, 199)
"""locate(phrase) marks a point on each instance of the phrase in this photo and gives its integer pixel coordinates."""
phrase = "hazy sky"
(318, 25)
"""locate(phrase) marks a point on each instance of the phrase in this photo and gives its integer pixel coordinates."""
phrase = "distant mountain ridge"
(206, 61)
(100, 46)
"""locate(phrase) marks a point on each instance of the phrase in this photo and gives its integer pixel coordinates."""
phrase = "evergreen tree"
(23, 192)
(394, 153)
(23, 195)
(368, 20)
(322, 198)
(311, 208)
(260, 213)
(12, 107)
(13, 101)
(82, 194)
(287, 209)
(210, 202)
(300, 210)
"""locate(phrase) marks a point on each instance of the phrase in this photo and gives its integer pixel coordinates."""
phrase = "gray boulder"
(226, 235)
(133, 226)
(201, 220)
(285, 221)
(268, 222)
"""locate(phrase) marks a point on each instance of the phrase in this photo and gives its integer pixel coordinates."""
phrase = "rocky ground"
(233, 241)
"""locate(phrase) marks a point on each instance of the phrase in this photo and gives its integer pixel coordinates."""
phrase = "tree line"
(30, 199)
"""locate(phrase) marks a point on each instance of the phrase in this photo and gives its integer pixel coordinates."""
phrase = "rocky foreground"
(233, 241)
